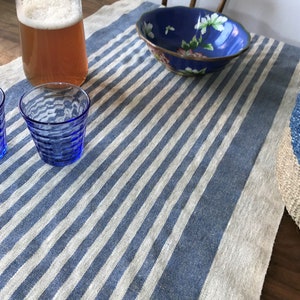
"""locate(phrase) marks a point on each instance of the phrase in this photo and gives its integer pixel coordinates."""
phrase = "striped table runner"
(175, 196)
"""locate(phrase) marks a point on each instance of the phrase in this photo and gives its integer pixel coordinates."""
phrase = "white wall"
(277, 19)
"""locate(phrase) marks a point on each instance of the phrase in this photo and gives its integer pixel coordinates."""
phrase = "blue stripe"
(103, 255)
(101, 37)
(212, 212)
(50, 200)
(112, 180)
(120, 107)
(197, 249)
(172, 184)
(106, 63)
(45, 204)
(53, 196)
(27, 155)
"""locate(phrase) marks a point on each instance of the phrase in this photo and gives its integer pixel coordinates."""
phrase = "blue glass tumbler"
(3, 144)
(56, 116)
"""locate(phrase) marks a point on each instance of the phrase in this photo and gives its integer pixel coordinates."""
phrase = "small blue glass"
(56, 116)
(3, 143)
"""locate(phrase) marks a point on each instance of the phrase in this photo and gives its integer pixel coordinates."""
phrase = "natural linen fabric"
(175, 196)
(288, 176)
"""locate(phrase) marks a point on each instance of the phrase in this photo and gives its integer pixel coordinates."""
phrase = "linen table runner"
(175, 196)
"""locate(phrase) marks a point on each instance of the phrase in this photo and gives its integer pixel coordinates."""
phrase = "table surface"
(144, 55)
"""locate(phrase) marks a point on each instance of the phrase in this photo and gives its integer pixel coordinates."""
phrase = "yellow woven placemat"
(288, 176)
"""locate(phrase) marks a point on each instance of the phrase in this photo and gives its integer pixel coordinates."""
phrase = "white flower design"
(189, 70)
(214, 20)
(169, 28)
(147, 30)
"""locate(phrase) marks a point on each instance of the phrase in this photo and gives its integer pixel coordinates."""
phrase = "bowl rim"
(194, 58)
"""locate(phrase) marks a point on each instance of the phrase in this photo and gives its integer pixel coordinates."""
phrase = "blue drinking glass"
(3, 144)
(56, 116)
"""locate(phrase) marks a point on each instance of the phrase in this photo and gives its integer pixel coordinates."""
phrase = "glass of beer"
(52, 41)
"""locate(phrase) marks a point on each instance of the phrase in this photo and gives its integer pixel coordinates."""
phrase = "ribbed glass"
(56, 116)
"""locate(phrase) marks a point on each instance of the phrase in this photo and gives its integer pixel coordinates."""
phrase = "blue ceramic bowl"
(192, 41)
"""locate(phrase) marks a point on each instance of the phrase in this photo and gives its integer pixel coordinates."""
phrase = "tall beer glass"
(52, 41)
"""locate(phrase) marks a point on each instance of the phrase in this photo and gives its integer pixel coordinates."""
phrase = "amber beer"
(53, 43)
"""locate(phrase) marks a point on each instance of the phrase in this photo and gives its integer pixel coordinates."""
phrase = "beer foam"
(52, 14)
